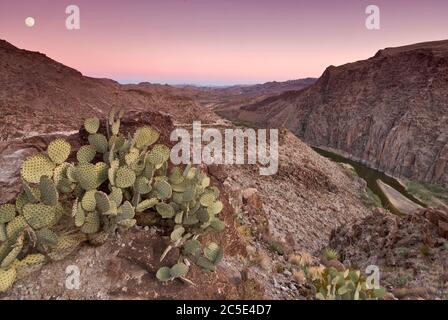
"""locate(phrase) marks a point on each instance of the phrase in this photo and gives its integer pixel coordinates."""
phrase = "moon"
(29, 22)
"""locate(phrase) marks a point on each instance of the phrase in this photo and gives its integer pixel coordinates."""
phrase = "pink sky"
(217, 41)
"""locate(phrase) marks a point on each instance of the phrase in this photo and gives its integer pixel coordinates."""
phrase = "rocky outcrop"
(397, 200)
(389, 111)
(411, 252)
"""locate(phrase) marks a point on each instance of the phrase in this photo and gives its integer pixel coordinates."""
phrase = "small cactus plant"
(64, 204)
(331, 284)
(331, 254)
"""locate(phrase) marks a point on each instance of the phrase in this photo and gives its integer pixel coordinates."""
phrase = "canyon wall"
(390, 111)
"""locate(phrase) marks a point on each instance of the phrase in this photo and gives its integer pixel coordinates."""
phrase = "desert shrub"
(331, 284)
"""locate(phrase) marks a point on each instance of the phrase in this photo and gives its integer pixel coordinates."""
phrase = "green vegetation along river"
(371, 176)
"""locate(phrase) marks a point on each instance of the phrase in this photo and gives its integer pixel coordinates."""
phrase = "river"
(371, 176)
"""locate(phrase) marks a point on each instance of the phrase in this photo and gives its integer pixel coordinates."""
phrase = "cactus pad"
(28, 265)
(215, 208)
(35, 167)
(39, 215)
(60, 173)
(145, 136)
(132, 177)
(12, 255)
(59, 150)
(207, 199)
(86, 154)
(7, 278)
(176, 176)
(126, 211)
(115, 127)
(192, 247)
(15, 227)
(177, 233)
(116, 196)
(101, 172)
(127, 223)
(164, 274)
(142, 185)
(203, 215)
(92, 125)
(7, 213)
(80, 215)
(179, 270)
(48, 191)
(99, 142)
(99, 238)
(92, 223)
(87, 176)
(132, 156)
(88, 200)
(124, 178)
(66, 245)
(3, 234)
(47, 237)
(21, 200)
(205, 264)
(64, 185)
(32, 194)
(163, 189)
(148, 172)
(158, 155)
(217, 224)
(112, 172)
(213, 253)
(165, 210)
(146, 204)
(102, 202)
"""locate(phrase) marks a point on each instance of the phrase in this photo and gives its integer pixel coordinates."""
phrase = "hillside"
(39, 95)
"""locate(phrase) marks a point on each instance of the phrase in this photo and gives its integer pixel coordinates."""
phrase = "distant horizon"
(204, 83)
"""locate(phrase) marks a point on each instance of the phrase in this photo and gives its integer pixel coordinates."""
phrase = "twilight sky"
(217, 41)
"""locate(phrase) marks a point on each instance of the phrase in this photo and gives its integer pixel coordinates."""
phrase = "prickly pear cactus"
(346, 285)
(114, 178)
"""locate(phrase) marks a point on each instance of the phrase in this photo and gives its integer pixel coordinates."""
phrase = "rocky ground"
(411, 252)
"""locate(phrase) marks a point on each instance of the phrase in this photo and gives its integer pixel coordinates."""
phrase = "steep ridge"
(389, 111)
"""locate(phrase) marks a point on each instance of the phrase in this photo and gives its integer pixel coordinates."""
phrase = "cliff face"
(390, 111)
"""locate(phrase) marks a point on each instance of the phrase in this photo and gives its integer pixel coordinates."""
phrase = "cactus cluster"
(331, 284)
(64, 204)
